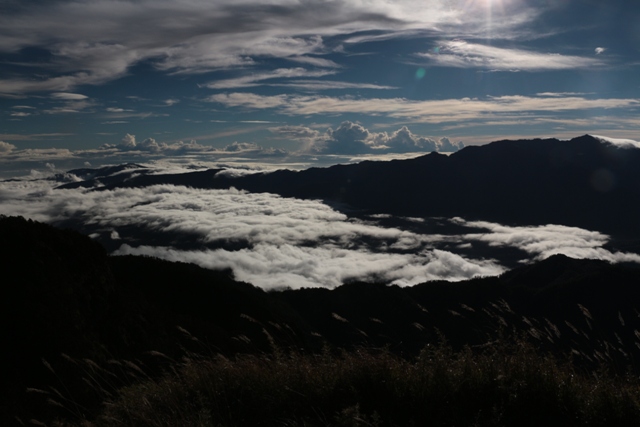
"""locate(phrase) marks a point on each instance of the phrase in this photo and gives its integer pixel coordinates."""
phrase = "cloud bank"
(276, 242)
(348, 139)
(353, 138)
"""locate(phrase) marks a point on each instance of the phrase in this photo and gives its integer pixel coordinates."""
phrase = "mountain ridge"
(582, 182)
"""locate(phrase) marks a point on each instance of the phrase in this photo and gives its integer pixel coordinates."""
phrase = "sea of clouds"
(275, 242)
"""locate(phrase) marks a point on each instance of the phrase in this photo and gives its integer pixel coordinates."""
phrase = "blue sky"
(276, 78)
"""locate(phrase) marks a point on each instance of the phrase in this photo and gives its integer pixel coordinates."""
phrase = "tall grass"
(497, 385)
(513, 379)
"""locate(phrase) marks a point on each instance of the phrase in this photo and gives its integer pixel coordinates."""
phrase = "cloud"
(547, 240)
(349, 142)
(69, 103)
(461, 54)
(150, 145)
(68, 96)
(600, 50)
(250, 148)
(15, 155)
(91, 43)
(6, 148)
(349, 137)
(315, 61)
(276, 242)
(295, 132)
(427, 111)
(403, 140)
(263, 78)
(282, 241)
(560, 94)
(353, 138)
(257, 79)
(286, 266)
(315, 85)
(625, 143)
(249, 100)
(128, 142)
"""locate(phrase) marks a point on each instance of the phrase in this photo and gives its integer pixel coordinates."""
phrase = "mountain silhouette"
(66, 298)
(583, 182)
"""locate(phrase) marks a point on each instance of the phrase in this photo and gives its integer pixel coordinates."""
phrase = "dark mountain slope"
(63, 294)
(583, 182)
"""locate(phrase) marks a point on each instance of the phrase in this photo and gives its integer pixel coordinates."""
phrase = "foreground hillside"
(88, 329)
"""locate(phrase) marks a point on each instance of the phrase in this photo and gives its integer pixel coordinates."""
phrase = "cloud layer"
(98, 41)
(353, 138)
(276, 242)
(347, 140)
(426, 111)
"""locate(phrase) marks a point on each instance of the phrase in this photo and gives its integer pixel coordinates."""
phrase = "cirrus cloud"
(461, 54)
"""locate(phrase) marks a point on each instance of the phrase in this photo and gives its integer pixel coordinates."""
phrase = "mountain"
(68, 301)
(584, 182)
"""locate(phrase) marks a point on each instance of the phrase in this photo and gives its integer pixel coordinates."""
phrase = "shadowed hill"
(64, 295)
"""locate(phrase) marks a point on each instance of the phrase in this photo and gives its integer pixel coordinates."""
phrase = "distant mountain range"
(584, 182)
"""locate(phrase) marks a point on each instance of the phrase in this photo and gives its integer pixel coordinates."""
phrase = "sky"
(295, 82)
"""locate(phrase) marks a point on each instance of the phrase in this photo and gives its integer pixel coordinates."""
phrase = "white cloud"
(69, 103)
(314, 85)
(68, 96)
(600, 50)
(290, 242)
(96, 42)
(128, 141)
(429, 111)
(547, 240)
(283, 241)
(462, 54)
(257, 79)
(295, 132)
(620, 142)
(249, 100)
(6, 148)
(353, 138)
(315, 61)
(129, 144)
(287, 266)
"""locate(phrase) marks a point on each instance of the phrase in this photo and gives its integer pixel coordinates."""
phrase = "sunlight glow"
(489, 5)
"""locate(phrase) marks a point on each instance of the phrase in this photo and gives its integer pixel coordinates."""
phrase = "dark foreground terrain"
(141, 341)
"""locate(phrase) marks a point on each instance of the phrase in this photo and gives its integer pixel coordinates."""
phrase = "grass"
(496, 385)
(511, 380)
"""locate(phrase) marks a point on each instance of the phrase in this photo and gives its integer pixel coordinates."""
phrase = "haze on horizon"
(297, 82)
